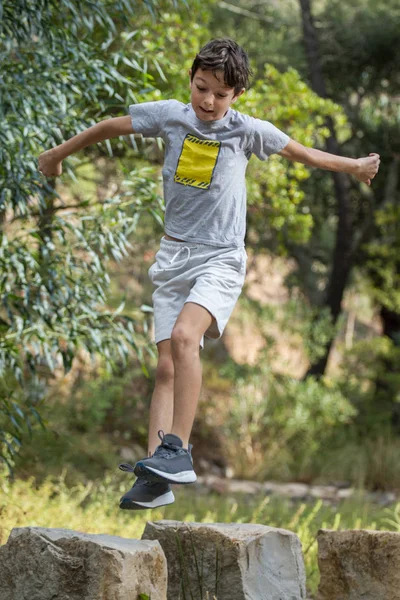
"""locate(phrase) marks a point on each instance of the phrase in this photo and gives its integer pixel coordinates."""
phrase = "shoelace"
(164, 450)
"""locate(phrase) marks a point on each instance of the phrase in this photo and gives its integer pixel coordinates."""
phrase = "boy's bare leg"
(192, 323)
(162, 402)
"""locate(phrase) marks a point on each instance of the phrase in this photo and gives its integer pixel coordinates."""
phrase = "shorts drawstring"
(177, 253)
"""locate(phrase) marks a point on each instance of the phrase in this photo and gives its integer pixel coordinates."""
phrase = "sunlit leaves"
(383, 259)
(276, 197)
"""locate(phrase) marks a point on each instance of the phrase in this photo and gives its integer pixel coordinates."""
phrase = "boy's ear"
(238, 94)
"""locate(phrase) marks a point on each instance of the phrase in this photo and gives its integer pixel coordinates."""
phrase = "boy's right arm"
(50, 162)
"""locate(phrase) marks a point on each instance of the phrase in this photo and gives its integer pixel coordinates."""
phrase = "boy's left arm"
(364, 169)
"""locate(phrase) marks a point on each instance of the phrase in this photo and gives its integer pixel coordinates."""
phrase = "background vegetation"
(315, 395)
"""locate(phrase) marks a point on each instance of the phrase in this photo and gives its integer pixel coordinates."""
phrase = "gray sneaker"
(169, 463)
(145, 494)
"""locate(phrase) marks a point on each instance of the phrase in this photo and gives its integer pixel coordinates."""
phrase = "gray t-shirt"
(204, 168)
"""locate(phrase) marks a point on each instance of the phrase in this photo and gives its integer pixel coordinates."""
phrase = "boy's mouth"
(208, 112)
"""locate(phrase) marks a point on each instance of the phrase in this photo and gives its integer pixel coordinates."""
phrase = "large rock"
(359, 564)
(230, 561)
(42, 564)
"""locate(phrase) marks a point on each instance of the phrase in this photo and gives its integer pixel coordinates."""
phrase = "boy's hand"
(49, 164)
(367, 168)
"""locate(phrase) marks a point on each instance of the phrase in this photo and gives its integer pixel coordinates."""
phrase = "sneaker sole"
(163, 500)
(153, 474)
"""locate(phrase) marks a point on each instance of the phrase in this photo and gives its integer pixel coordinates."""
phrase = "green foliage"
(277, 203)
(269, 31)
(89, 417)
(63, 68)
(383, 259)
(281, 424)
(61, 57)
(367, 459)
(313, 324)
(370, 385)
(269, 426)
(175, 40)
(362, 66)
(56, 311)
(18, 413)
(360, 37)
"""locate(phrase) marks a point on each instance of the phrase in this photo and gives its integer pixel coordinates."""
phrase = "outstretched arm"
(364, 169)
(50, 162)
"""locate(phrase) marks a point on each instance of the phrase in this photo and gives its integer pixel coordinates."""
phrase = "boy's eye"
(201, 89)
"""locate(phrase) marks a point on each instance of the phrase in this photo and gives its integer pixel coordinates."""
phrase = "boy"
(200, 267)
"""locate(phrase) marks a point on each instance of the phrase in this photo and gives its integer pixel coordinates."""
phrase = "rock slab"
(357, 564)
(230, 561)
(41, 564)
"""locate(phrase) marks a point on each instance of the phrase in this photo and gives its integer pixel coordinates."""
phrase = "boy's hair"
(227, 56)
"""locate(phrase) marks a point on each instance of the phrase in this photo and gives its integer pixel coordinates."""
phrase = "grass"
(92, 507)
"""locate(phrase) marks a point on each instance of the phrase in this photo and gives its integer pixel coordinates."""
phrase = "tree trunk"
(342, 255)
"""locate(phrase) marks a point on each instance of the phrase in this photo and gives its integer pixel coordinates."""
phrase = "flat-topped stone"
(231, 561)
(357, 564)
(42, 563)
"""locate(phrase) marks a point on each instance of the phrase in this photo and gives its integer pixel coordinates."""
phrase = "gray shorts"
(190, 272)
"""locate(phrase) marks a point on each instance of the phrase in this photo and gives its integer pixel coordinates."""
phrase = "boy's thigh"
(218, 288)
(193, 321)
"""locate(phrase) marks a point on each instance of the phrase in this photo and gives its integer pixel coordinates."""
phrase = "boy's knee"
(183, 339)
(165, 369)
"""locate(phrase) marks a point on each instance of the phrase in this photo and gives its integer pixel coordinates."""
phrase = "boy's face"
(210, 96)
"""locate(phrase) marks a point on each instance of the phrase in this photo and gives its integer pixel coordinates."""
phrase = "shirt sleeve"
(148, 118)
(266, 139)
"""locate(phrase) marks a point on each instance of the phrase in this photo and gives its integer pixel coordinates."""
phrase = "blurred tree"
(359, 69)
(362, 72)
(342, 259)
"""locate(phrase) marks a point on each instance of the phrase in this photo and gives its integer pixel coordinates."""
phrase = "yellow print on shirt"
(197, 162)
